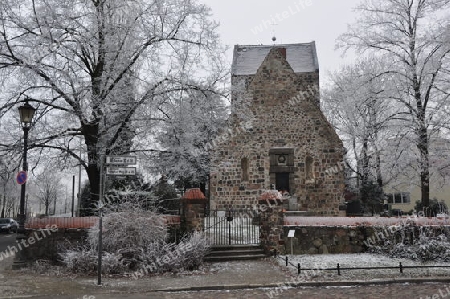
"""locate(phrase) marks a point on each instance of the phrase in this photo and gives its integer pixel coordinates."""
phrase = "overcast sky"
(248, 22)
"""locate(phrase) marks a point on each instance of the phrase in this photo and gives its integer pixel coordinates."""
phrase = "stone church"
(278, 137)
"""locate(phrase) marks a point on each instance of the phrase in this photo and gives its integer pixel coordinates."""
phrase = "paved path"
(391, 291)
(246, 279)
(6, 240)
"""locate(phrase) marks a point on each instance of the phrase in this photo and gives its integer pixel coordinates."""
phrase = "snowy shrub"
(135, 240)
(195, 248)
(81, 260)
(133, 234)
(414, 242)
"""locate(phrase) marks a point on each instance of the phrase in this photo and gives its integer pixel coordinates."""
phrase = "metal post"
(73, 193)
(100, 225)
(26, 206)
(19, 261)
(21, 215)
(292, 247)
(100, 241)
(339, 269)
(79, 185)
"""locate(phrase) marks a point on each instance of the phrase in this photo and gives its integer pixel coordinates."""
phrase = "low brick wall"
(61, 222)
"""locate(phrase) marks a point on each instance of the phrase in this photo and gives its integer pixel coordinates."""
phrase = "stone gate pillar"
(271, 210)
(193, 210)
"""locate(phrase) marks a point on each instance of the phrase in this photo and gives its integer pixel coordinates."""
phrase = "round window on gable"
(281, 159)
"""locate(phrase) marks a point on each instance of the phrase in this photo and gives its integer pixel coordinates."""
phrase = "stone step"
(298, 214)
(224, 253)
(235, 247)
(234, 258)
(236, 252)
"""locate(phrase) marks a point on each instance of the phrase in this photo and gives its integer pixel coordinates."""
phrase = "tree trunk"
(424, 170)
(365, 174)
(47, 204)
(93, 169)
(422, 145)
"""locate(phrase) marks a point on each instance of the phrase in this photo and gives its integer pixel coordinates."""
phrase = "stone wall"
(327, 239)
(271, 225)
(277, 111)
(348, 239)
(44, 243)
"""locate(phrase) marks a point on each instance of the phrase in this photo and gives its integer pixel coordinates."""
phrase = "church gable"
(275, 81)
(279, 137)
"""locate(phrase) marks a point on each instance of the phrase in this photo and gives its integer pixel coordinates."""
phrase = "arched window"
(309, 168)
(244, 169)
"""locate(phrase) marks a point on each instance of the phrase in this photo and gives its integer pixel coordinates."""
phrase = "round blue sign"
(21, 177)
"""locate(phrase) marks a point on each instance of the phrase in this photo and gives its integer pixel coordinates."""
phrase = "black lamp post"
(26, 112)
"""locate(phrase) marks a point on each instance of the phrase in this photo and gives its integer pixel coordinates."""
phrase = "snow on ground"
(358, 221)
(322, 261)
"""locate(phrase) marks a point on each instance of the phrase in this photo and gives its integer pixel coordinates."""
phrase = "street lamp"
(26, 112)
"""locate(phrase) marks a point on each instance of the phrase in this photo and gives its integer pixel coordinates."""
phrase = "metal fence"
(231, 227)
(339, 269)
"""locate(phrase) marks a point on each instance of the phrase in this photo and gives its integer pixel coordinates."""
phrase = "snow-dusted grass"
(322, 261)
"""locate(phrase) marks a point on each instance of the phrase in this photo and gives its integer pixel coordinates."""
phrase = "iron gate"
(231, 227)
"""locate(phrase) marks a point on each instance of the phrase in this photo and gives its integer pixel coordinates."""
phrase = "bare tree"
(101, 69)
(358, 106)
(414, 38)
(194, 119)
(48, 190)
(7, 188)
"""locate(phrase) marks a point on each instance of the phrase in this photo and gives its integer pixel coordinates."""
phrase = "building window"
(244, 169)
(398, 198)
(309, 168)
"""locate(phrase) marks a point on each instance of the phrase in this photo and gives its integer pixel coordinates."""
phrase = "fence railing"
(231, 227)
(339, 269)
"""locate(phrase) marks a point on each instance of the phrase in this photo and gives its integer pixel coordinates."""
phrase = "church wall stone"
(278, 136)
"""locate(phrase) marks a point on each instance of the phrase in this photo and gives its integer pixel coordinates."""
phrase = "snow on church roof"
(248, 58)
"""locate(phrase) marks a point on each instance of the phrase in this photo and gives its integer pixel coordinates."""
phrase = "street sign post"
(121, 160)
(22, 177)
(121, 170)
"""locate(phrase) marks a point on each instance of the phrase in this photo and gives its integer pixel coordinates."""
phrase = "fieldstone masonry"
(193, 210)
(271, 225)
(278, 136)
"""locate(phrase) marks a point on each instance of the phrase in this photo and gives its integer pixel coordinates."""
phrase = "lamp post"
(26, 112)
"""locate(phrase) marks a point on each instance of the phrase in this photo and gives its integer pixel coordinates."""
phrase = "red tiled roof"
(194, 193)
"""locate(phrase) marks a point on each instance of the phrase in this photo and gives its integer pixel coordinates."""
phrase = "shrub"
(415, 242)
(135, 240)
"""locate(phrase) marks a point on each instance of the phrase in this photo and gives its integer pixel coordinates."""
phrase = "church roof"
(248, 58)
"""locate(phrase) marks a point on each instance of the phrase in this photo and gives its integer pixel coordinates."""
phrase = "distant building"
(277, 136)
(404, 191)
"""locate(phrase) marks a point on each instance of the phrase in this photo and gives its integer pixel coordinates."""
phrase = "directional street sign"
(21, 177)
(121, 170)
(121, 160)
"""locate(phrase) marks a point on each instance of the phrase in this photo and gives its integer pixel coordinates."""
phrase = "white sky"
(303, 21)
